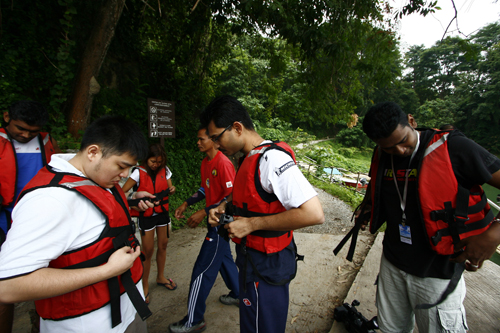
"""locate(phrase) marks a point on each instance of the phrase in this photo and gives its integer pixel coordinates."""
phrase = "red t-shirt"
(217, 178)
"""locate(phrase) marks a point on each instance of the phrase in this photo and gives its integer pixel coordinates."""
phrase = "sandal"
(169, 285)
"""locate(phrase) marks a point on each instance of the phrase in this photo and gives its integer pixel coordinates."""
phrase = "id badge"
(405, 234)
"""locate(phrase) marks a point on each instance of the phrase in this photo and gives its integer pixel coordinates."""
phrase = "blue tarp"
(330, 172)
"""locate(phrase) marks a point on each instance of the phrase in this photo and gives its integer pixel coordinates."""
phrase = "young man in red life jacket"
(71, 247)
(270, 199)
(217, 176)
(426, 185)
(24, 150)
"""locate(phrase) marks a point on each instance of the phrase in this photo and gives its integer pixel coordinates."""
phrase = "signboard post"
(161, 119)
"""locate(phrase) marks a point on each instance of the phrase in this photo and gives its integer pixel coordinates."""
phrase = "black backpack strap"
(352, 233)
(452, 285)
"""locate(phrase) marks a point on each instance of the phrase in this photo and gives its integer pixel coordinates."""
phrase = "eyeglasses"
(216, 138)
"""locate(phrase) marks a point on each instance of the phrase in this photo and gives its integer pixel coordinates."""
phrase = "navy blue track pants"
(263, 307)
(215, 255)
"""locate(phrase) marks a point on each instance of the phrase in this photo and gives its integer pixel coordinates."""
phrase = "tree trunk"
(86, 86)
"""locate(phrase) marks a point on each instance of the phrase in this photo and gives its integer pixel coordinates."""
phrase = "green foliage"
(277, 129)
(435, 113)
(331, 157)
(308, 75)
(353, 137)
(457, 81)
(37, 57)
(64, 74)
(422, 7)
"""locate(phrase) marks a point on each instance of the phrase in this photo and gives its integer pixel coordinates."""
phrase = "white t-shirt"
(48, 222)
(135, 174)
(281, 176)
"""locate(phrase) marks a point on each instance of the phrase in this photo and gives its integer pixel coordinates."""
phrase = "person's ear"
(93, 152)
(238, 127)
(6, 117)
(412, 121)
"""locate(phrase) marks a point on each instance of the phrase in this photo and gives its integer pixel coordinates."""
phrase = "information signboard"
(161, 118)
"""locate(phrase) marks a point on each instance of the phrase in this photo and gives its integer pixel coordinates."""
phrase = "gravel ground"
(337, 216)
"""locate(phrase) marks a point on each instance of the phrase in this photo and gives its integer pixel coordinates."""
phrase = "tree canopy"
(310, 63)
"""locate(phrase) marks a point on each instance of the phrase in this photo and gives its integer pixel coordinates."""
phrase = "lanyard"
(402, 199)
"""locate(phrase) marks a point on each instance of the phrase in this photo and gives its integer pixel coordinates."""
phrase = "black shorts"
(151, 222)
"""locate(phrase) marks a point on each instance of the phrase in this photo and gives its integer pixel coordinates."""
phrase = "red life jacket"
(118, 232)
(250, 199)
(449, 211)
(8, 163)
(146, 184)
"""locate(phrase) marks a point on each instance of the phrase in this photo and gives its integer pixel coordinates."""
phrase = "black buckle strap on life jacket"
(452, 285)
(464, 229)
(456, 218)
(114, 296)
(135, 296)
(437, 215)
(247, 213)
(353, 232)
(119, 241)
(159, 197)
(130, 288)
(101, 259)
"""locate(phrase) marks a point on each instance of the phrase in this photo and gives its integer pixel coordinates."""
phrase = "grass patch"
(350, 197)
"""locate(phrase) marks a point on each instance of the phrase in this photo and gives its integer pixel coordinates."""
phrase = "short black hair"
(447, 127)
(201, 127)
(224, 111)
(382, 119)
(31, 112)
(116, 135)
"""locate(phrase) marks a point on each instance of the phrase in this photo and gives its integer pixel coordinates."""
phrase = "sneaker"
(179, 327)
(228, 300)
